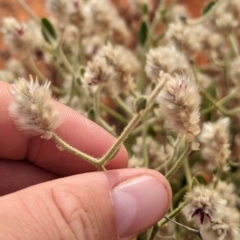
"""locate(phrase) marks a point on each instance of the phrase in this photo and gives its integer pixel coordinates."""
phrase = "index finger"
(74, 128)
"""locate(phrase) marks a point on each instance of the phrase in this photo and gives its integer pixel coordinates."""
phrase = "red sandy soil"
(13, 8)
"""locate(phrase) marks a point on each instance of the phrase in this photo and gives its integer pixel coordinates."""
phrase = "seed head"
(179, 105)
(32, 108)
(166, 59)
(214, 139)
(204, 204)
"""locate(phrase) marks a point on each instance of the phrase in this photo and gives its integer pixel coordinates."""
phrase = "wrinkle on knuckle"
(78, 213)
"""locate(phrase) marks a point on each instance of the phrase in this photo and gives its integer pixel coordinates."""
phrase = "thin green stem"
(144, 144)
(205, 93)
(234, 44)
(179, 162)
(40, 76)
(66, 62)
(137, 117)
(96, 102)
(114, 113)
(106, 126)
(170, 159)
(187, 173)
(224, 100)
(218, 176)
(35, 69)
(123, 105)
(206, 15)
(172, 214)
(71, 95)
(69, 148)
(153, 231)
(107, 157)
(186, 227)
(138, 129)
(29, 10)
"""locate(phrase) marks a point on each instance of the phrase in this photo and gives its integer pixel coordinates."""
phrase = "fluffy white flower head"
(32, 108)
(179, 105)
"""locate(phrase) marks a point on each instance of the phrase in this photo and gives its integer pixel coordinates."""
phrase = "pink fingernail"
(139, 203)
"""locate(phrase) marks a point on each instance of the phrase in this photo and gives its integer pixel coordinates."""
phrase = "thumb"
(90, 206)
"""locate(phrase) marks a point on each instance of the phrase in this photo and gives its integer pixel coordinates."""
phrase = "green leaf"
(145, 9)
(82, 71)
(48, 29)
(143, 33)
(141, 104)
(208, 6)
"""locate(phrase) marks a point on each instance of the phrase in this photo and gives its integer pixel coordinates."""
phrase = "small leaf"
(141, 104)
(48, 29)
(207, 7)
(143, 33)
(82, 71)
(91, 114)
(145, 9)
(153, 85)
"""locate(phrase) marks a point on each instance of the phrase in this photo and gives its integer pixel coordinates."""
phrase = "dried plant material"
(179, 105)
(186, 37)
(115, 67)
(33, 109)
(225, 228)
(167, 59)
(215, 143)
(225, 17)
(204, 205)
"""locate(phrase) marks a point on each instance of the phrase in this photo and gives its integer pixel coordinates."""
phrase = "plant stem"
(205, 93)
(138, 129)
(153, 231)
(188, 228)
(234, 44)
(179, 162)
(107, 157)
(69, 148)
(172, 214)
(156, 226)
(170, 159)
(144, 145)
(35, 69)
(66, 62)
(114, 113)
(96, 102)
(29, 10)
(206, 15)
(187, 173)
(217, 176)
(226, 99)
(123, 105)
(136, 118)
(106, 126)
(71, 95)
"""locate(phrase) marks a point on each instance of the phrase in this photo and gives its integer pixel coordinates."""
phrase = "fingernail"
(139, 203)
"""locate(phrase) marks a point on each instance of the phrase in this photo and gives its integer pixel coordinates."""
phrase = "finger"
(99, 206)
(75, 129)
(16, 175)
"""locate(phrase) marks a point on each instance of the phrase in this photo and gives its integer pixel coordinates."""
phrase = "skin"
(52, 194)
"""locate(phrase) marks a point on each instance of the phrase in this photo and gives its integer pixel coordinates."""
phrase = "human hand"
(91, 205)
